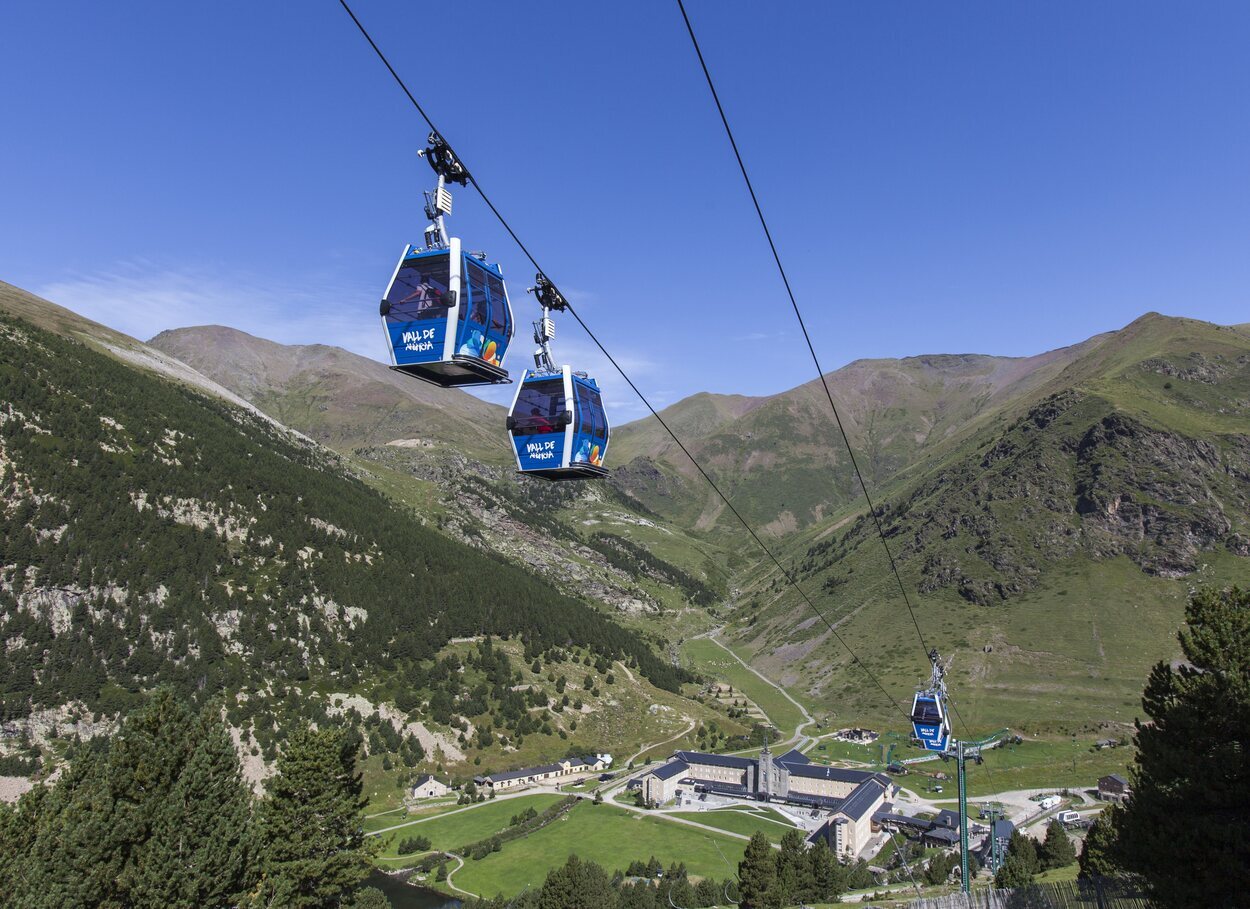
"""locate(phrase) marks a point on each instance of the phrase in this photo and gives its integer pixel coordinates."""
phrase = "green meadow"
(610, 836)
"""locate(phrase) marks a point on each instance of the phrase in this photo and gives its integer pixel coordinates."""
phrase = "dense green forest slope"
(446, 453)
(153, 534)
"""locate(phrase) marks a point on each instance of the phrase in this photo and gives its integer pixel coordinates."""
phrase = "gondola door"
(590, 440)
(485, 324)
(420, 306)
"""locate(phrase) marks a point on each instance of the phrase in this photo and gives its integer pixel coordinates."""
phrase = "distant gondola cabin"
(930, 720)
(447, 317)
(558, 425)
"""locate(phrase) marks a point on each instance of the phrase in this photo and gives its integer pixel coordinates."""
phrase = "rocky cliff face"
(1151, 462)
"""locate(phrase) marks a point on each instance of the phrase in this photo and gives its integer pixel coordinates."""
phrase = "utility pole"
(963, 817)
(964, 752)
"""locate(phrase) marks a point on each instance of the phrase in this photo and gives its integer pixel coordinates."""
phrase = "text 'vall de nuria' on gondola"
(541, 450)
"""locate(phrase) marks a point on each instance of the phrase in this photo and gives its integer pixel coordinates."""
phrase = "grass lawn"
(463, 827)
(1042, 764)
(827, 749)
(763, 811)
(402, 816)
(743, 822)
(1054, 875)
(711, 658)
(609, 836)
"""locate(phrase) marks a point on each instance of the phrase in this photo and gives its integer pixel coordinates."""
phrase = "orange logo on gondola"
(489, 353)
(595, 458)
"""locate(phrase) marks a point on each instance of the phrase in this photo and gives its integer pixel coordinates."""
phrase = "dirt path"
(434, 817)
(798, 739)
(459, 865)
(645, 748)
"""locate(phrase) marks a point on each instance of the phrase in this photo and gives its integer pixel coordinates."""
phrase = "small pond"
(406, 896)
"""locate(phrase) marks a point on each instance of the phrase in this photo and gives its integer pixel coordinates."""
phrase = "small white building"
(427, 787)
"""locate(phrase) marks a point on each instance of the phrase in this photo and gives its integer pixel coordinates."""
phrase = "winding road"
(798, 739)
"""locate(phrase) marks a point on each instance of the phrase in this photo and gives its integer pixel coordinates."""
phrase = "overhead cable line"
(808, 338)
(802, 325)
(524, 249)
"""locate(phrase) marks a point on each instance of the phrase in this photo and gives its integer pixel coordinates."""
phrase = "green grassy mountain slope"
(336, 397)
(1051, 550)
(780, 459)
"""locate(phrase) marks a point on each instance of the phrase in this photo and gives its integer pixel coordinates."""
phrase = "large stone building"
(850, 827)
(852, 796)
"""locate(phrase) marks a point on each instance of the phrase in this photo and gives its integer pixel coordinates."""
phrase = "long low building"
(851, 796)
(529, 776)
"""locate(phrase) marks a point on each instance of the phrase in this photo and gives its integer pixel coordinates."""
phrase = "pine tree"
(1056, 850)
(312, 846)
(369, 898)
(794, 879)
(95, 827)
(1014, 872)
(18, 829)
(1191, 781)
(1021, 864)
(1025, 848)
(828, 874)
(1096, 858)
(757, 873)
(201, 845)
(576, 885)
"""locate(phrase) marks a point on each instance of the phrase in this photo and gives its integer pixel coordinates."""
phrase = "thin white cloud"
(143, 299)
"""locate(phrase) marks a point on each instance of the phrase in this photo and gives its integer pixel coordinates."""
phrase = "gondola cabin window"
(539, 408)
(419, 291)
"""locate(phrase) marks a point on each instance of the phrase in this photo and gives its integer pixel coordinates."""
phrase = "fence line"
(1097, 893)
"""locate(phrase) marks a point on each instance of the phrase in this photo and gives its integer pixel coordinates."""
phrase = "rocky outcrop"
(1152, 495)
(1072, 475)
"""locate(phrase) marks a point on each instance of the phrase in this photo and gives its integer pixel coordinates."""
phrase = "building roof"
(793, 756)
(725, 788)
(715, 760)
(861, 801)
(1116, 778)
(942, 835)
(947, 818)
(423, 779)
(817, 772)
(885, 816)
(670, 770)
(1003, 829)
(819, 801)
(521, 774)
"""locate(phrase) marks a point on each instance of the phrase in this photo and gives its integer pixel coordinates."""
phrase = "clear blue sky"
(992, 177)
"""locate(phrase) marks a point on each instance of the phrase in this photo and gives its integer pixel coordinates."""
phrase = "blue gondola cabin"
(930, 722)
(447, 317)
(558, 426)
